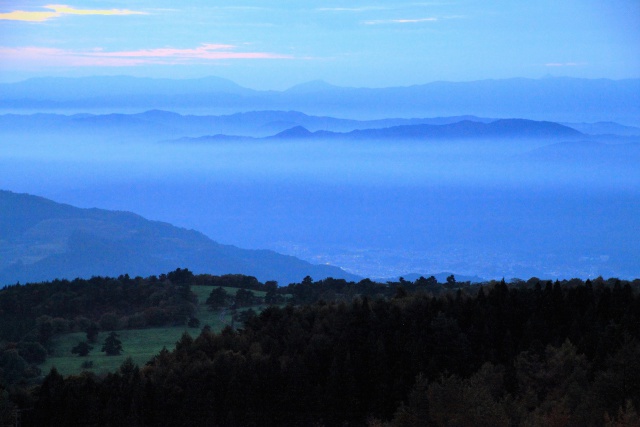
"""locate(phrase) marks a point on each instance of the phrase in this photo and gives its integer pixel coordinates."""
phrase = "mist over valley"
(472, 194)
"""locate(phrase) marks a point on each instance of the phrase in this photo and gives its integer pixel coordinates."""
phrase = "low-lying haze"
(379, 208)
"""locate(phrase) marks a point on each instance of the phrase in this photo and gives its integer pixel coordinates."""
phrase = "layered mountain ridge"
(562, 99)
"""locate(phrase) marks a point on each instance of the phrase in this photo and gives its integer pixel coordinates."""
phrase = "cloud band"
(58, 10)
(39, 56)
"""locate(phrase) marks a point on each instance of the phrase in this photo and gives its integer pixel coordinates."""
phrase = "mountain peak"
(310, 87)
(294, 132)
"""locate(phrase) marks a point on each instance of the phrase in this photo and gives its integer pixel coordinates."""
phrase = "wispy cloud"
(399, 21)
(205, 51)
(40, 57)
(45, 56)
(240, 7)
(395, 6)
(351, 9)
(58, 10)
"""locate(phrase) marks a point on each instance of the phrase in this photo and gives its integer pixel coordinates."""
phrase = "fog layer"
(510, 208)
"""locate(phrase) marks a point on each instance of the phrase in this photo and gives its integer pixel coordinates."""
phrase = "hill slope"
(42, 240)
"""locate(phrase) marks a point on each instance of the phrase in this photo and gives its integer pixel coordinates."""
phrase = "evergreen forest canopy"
(334, 352)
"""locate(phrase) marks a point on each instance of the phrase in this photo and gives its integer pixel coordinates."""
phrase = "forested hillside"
(402, 354)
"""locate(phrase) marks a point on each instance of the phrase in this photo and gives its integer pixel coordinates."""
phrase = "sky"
(263, 44)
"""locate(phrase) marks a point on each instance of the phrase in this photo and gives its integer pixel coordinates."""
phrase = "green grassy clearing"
(139, 344)
(212, 318)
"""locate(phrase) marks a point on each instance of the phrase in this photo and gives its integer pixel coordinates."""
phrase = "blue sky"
(274, 45)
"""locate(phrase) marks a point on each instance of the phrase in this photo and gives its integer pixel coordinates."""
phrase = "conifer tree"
(112, 345)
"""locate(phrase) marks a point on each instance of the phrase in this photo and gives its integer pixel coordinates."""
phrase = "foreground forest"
(333, 352)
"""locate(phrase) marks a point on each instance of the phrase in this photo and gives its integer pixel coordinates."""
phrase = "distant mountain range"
(556, 99)
(43, 240)
(583, 133)
(158, 125)
(111, 88)
(466, 129)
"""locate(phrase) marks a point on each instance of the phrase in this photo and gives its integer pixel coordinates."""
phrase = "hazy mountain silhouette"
(506, 128)
(313, 86)
(498, 129)
(296, 132)
(61, 89)
(561, 99)
(159, 124)
(43, 240)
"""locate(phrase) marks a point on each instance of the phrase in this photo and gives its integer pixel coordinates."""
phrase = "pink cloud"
(204, 51)
(43, 56)
(52, 57)
(59, 10)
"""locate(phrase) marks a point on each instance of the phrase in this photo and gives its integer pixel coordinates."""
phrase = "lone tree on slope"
(112, 345)
(82, 349)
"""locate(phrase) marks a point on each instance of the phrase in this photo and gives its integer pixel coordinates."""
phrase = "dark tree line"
(121, 302)
(234, 281)
(534, 353)
(31, 315)
(219, 298)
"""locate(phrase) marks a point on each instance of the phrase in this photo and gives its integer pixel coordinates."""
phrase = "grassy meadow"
(139, 344)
